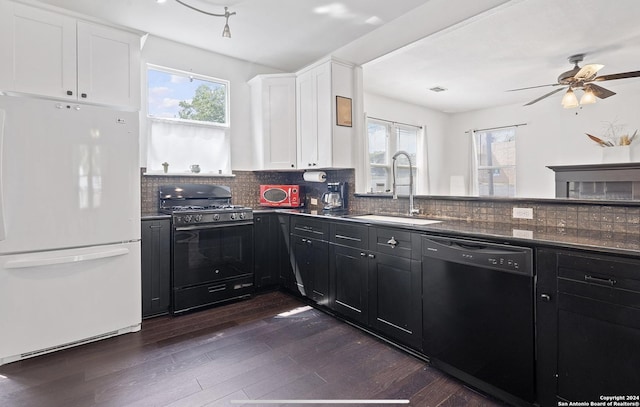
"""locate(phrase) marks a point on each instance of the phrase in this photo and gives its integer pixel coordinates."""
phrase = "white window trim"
(146, 127)
(392, 147)
(206, 78)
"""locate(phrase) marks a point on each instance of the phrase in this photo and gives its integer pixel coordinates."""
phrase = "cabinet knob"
(545, 297)
(70, 93)
(83, 95)
(363, 254)
(314, 164)
(392, 242)
(293, 166)
(372, 256)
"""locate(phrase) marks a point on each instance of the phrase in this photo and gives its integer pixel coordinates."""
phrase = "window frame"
(512, 187)
(191, 75)
(210, 165)
(392, 145)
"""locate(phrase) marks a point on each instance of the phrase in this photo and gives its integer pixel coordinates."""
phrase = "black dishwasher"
(478, 314)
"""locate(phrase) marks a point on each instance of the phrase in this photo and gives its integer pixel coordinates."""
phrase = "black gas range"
(211, 245)
(193, 204)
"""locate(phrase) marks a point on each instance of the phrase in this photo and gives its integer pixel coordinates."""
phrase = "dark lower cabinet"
(597, 327)
(349, 275)
(283, 246)
(375, 282)
(310, 258)
(267, 250)
(395, 298)
(156, 266)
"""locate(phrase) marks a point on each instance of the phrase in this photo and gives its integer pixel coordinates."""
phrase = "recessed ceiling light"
(438, 89)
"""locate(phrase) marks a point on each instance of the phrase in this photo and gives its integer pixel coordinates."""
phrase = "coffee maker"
(335, 199)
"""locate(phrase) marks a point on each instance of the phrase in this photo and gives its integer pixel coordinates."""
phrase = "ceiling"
(476, 50)
(518, 44)
(283, 34)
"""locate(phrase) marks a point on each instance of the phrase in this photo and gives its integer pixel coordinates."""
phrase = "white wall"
(553, 135)
(435, 124)
(174, 55)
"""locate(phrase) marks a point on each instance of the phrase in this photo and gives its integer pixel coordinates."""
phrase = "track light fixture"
(226, 32)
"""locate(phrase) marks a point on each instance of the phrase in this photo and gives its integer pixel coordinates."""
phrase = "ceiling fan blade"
(533, 87)
(588, 72)
(544, 96)
(599, 91)
(621, 75)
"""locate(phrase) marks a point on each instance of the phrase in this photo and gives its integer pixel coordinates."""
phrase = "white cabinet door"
(316, 92)
(307, 115)
(108, 65)
(323, 85)
(274, 121)
(49, 54)
(38, 51)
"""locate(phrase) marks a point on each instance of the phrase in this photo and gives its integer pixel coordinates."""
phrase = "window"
(188, 117)
(495, 156)
(385, 138)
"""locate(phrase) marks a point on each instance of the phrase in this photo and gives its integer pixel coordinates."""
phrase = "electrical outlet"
(523, 213)
(314, 201)
(527, 234)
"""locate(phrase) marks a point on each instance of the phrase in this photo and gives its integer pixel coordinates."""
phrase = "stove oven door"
(211, 264)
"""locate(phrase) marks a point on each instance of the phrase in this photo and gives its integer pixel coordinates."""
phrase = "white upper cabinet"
(108, 65)
(321, 142)
(49, 54)
(273, 115)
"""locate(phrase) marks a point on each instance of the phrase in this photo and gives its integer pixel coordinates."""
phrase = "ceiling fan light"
(588, 97)
(569, 100)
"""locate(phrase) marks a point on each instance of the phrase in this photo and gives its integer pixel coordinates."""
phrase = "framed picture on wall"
(343, 111)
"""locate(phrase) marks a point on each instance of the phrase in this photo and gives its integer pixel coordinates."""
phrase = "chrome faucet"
(412, 210)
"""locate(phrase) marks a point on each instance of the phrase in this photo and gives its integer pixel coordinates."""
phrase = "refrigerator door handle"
(3, 233)
(50, 261)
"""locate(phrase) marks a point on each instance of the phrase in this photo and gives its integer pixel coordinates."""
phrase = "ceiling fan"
(581, 78)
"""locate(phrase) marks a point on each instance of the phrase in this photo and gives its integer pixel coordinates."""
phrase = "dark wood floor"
(243, 350)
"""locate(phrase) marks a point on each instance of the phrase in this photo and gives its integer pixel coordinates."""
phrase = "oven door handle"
(214, 226)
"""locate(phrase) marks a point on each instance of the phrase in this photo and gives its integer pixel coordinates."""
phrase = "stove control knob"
(216, 216)
(198, 218)
(188, 218)
(234, 216)
(242, 215)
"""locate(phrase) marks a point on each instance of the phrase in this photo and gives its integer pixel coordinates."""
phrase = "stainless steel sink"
(396, 219)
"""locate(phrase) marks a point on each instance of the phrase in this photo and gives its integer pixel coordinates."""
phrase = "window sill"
(187, 174)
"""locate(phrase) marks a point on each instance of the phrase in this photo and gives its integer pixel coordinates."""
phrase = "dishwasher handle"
(494, 256)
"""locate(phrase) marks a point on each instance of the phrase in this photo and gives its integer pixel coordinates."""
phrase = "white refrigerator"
(69, 225)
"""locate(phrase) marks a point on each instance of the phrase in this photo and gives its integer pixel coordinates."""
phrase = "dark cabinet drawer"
(600, 278)
(313, 228)
(394, 242)
(185, 299)
(350, 235)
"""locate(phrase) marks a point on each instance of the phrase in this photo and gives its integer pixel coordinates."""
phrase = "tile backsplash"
(618, 217)
(244, 185)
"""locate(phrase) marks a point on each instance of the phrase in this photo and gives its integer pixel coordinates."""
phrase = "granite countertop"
(558, 237)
